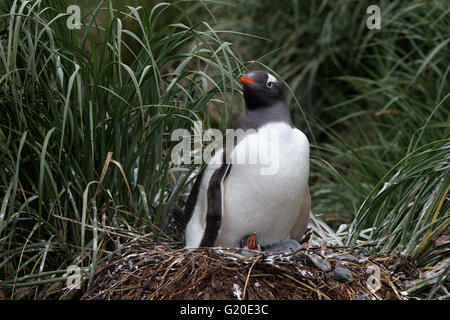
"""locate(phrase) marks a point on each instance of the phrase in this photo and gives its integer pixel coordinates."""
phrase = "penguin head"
(260, 89)
(250, 243)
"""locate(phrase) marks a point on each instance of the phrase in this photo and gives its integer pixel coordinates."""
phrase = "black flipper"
(214, 197)
(214, 205)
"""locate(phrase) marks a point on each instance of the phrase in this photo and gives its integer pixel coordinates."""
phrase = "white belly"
(265, 197)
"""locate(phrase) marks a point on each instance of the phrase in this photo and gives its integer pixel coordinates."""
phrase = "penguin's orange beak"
(245, 79)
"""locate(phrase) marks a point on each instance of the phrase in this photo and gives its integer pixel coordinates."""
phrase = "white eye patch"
(270, 80)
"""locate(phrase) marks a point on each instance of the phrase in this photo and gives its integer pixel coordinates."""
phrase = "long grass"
(85, 135)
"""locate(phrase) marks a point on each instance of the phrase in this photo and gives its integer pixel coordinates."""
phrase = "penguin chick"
(249, 246)
(286, 246)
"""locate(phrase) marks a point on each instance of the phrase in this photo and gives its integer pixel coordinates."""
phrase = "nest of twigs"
(166, 272)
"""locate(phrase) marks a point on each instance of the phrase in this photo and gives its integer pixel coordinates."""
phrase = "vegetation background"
(86, 118)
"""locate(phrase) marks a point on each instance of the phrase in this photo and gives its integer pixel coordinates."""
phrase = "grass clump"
(85, 135)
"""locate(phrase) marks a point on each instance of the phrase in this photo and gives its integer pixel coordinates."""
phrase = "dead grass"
(164, 271)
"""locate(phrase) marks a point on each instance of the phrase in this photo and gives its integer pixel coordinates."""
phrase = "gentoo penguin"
(249, 246)
(234, 196)
(250, 243)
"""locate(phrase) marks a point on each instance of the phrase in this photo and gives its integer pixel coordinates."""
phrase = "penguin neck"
(258, 117)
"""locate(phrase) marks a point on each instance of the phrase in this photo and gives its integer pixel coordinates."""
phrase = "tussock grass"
(85, 135)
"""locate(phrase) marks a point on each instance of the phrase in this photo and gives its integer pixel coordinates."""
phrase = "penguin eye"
(269, 84)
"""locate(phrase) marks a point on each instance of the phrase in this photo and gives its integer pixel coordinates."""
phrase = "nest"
(165, 271)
